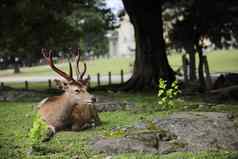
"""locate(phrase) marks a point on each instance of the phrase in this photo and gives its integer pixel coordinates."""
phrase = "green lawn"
(16, 120)
(103, 66)
(219, 61)
(45, 85)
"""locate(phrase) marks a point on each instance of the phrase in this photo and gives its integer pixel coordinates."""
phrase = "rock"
(107, 103)
(202, 130)
(168, 147)
(226, 80)
(110, 106)
(121, 145)
(184, 131)
(136, 140)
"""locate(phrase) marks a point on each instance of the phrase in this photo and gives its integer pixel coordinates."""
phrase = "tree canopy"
(26, 26)
(192, 19)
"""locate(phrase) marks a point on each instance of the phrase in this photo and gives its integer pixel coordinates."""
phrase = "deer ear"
(61, 84)
(87, 81)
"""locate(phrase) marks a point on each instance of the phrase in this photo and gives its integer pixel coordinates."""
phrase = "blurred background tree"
(27, 26)
(189, 21)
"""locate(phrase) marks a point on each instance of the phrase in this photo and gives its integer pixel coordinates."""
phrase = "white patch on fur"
(42, 102)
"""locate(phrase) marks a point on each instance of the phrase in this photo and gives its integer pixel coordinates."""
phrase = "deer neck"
(69, 99)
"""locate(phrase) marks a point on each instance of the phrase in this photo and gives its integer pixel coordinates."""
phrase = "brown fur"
(72, 110)
(56, 112)
(84, 116)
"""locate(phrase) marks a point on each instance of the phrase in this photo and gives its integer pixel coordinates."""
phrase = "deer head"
(75, 89)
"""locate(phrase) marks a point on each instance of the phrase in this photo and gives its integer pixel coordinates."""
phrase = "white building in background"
(121, 40)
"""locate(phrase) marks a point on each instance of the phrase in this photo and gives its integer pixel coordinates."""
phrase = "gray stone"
(106, 104)
(202, 130)
(121, 145)
(184, 131)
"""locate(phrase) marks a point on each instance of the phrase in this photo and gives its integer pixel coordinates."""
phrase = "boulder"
(108, 104)
(184, 131)
(202, 130)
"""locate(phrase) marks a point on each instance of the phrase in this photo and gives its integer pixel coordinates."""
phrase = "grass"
(35, 85)
(219, 61)
(44, 85)
(102, 66)
(16, 121)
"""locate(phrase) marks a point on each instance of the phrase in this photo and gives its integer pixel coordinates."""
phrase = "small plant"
(166, 95)
(39, 130)
(115, 133)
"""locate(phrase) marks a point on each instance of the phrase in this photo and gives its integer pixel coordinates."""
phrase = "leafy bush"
(39, 130)
(167, 94)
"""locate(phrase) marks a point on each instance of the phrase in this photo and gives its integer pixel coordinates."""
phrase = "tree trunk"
(192, 65)
(200, 69)
(16, 68)
(151, 61)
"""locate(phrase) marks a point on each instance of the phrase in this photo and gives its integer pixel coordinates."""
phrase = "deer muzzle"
(91, 100)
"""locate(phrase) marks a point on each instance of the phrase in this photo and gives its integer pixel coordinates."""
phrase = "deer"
(74, 109)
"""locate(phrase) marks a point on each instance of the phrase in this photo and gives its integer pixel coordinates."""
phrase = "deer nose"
(93, 98)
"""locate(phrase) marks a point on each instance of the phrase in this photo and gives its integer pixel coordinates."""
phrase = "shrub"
(38, 131)
(167, 94)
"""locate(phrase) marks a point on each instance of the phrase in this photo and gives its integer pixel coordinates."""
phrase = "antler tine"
(70, 69)
(77, 63)
(84, 71)
(51, 64)
(79, 77)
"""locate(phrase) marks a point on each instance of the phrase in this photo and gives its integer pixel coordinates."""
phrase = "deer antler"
(70, 69)
(48, 56)
(84, 71)
(79, 77)
(77, 63)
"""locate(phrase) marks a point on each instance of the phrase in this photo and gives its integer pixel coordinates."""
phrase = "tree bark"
(151, 61)
(192, 65)
(201, 69)
(16, 68)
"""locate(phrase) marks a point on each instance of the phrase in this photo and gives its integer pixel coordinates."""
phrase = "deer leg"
(51, 132)
(95, 118)
(78, 127)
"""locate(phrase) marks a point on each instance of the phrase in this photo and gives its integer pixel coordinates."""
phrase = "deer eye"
(77, 90)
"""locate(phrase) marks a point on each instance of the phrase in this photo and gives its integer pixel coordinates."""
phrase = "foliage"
(187, 21)
(39, 130)
(26, 26)
(166, 94)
